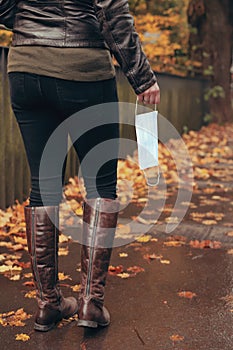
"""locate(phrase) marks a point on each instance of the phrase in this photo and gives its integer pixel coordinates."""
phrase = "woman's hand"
(151, 95)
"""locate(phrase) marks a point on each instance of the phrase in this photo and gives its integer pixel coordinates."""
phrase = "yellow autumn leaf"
(144, 239)
(62, 276)
(22, 336)
(123, 255)
(79, 211)
(63, 251)
(15, 278)
(63, 238)
(123, 275)
(163, 261)
(31, 294)
(76, 287)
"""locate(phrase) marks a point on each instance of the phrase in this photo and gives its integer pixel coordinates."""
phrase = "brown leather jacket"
(85, 23)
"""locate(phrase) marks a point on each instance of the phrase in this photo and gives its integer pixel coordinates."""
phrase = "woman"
(60, 63)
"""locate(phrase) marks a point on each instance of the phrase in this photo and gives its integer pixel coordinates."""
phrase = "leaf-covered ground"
(211, 151)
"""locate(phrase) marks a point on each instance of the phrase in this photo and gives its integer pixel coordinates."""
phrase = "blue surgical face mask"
(147, 140)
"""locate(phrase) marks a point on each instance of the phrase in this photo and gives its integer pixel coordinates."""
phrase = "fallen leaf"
(229, 234)
(187, 294)
(62, 276)
(22, 336)
(205, 244)
(123, 255)
(165, 262)
(173, 243)
(209, 222)
(14, 318)
(144, 239)
(15, 278)
(63, 251)
(123, 275)
(114, 270)
(63, 238)
(152, 256)
(29, 283)
(135, 269)
(31, 294)
(176, 337)
(76, 288)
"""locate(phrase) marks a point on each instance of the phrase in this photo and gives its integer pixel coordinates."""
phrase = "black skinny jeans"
(41, 104)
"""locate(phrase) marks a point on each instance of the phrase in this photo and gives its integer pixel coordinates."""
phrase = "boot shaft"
(42, 237)
(99, 225)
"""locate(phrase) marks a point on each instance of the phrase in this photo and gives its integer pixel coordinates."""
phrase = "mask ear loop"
(149, 183)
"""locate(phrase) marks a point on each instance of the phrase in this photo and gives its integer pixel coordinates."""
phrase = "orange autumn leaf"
(176, 337)
(187, 294)
(114, 270)
(205, 244)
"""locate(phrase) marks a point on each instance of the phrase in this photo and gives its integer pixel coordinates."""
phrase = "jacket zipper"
(34, 256)
(90, 264)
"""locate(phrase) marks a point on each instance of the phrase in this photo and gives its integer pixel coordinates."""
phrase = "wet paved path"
(146, 309)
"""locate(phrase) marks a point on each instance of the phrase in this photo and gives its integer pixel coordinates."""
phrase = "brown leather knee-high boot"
(99, 224)
(42, 239)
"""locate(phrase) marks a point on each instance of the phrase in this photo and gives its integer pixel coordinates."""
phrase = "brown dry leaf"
(187, 294)
(176, 337)
(22, 336)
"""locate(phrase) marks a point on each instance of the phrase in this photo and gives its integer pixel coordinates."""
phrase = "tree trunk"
(212, 44)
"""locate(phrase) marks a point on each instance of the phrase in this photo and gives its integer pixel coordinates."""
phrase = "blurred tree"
(210, 50)
(163, 30)
(5, 37)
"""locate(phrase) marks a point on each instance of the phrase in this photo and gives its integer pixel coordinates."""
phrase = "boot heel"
(85, 323)
(44, 328)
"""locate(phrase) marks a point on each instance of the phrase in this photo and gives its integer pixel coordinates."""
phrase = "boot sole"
(48, 327)
(45, 328)
(91, 324)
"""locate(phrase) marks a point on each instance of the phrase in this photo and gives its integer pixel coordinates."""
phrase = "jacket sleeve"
(117, 28)
(7, 12)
